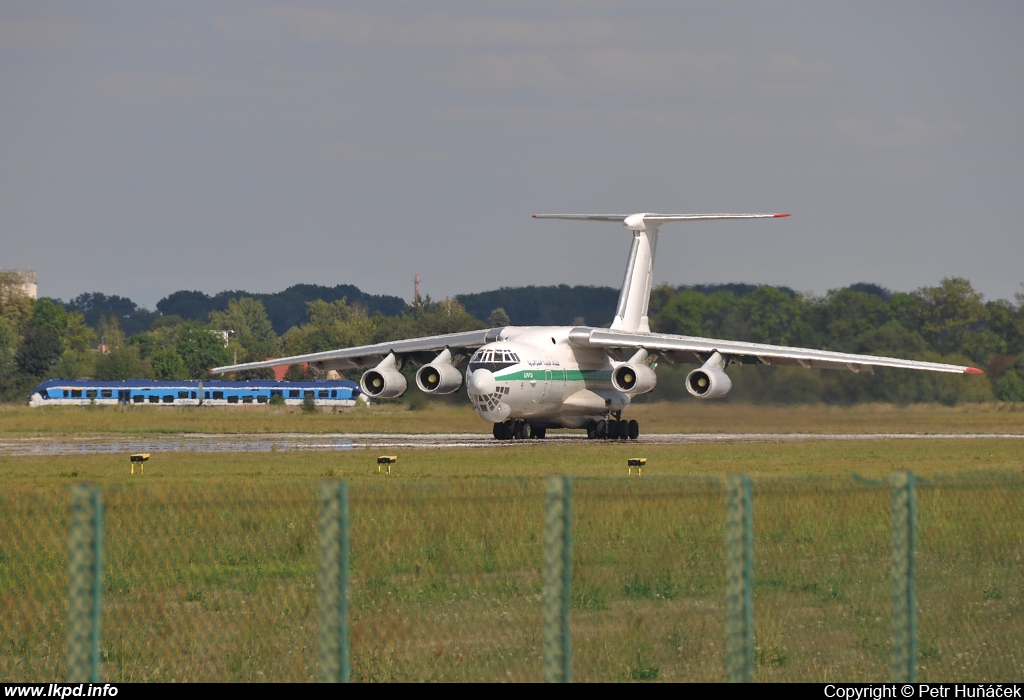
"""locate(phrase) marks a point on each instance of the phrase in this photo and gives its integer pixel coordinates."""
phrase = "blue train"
(131, 392)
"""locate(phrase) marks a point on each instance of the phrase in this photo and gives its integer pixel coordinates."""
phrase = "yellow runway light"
(386, 460)
(139, 458)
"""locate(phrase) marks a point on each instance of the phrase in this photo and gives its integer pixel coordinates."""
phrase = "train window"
(90, 394)
(138, 398)
(218, 394)
(261, 399)
(154, 399)
(246, 399)
(276, 392)
(232, 399)
(310, 394)
(169, 398)
(322, 394)
(293, 393)
(107, 394)
(182, 394)
(76, 393)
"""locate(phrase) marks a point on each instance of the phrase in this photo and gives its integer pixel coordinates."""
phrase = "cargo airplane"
(526, 379)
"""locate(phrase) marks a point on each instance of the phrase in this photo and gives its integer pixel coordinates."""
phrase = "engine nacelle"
(708, 383)
(634, 379)
(384, 381)
(438, 378)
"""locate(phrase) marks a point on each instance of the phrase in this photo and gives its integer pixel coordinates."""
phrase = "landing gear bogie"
(518, 430)
(613, 429)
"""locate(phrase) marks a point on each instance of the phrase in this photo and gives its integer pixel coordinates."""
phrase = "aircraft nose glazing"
(481, 382)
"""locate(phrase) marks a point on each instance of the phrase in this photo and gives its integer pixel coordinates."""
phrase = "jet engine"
(384, 381)
(634, 379)
(708, 383)
(440, 376)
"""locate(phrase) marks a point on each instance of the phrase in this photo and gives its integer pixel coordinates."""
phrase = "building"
(29, 282)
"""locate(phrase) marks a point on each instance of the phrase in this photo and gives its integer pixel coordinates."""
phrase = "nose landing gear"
(518, 430)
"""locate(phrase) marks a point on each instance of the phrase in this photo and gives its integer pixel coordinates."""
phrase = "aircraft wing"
(681, 348)
(371, 355)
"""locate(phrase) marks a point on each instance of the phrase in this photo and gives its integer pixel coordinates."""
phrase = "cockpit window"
(492, 360)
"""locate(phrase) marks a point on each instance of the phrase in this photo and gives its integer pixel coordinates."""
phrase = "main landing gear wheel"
(540, 433)
(524, 431)
(591, 430)
(633, 430)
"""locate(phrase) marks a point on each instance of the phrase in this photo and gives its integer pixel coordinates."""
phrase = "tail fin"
(631, 312)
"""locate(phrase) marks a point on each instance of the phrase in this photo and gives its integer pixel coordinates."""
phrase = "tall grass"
(218, 581)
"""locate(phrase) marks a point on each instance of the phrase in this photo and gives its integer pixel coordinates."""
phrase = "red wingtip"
(535, 216)
(779, 216)
(973, 370)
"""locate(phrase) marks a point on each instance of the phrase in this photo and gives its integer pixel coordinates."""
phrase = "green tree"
(1009, 385)
(247, 318)
(9, 343)
(845, 315)
(201, 349)
(121, 363)
(949, 313)
(15, 306)
(331, 325)
(108, 329)
(660, 296)
(775, 316)
(49, 314)
(75, 364)
(78, 337)
(40, 350)
(498, 318)
(683, 314)
(167, 364)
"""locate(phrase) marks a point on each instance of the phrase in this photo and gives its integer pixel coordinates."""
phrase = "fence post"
(904, 575)
(557, 579)
(739, 571)
(85, 583)
(335, 662)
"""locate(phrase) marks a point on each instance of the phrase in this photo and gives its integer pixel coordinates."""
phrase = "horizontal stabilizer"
(640, 222)
(631, 312)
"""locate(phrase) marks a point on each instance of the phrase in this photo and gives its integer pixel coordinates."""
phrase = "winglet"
(973, 370)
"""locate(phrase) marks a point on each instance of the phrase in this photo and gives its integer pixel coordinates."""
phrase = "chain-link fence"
(502, 579)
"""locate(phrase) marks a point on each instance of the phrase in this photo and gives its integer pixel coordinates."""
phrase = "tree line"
(111, 338)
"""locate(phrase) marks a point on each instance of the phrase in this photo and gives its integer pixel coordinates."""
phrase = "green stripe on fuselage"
(571, 375)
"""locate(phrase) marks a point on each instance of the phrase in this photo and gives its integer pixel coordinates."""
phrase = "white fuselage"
(533, 373)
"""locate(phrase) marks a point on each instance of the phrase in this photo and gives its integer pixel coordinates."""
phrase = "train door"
(124, 396)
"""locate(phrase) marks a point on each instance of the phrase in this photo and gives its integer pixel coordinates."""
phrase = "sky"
(147, 148)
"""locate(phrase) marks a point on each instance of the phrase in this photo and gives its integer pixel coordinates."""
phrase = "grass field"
(436, 417)
(211, 561)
